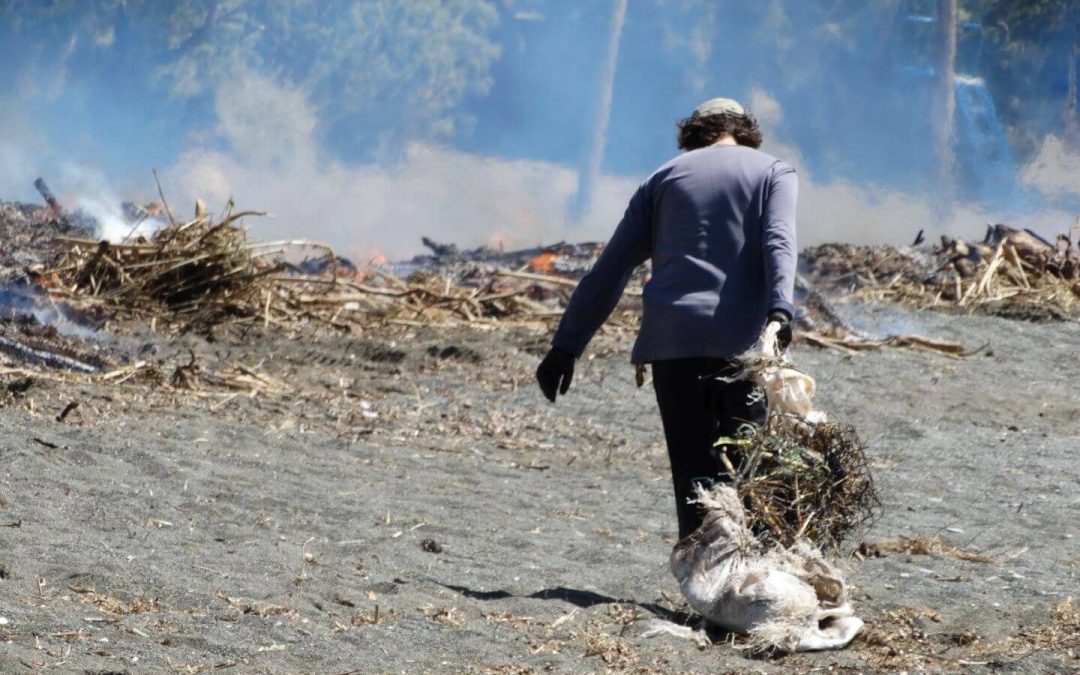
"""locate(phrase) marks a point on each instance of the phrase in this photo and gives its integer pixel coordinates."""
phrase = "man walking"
(718, 223)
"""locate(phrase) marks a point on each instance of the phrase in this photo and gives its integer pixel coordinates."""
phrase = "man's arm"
(778, 239)
(598, 292)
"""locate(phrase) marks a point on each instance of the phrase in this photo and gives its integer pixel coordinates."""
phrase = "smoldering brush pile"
(192, 272)
(206, 272)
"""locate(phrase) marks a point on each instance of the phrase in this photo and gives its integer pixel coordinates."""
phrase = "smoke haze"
(502, 152)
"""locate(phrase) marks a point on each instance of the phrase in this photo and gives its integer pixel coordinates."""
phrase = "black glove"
(555, 372)
(784, 335)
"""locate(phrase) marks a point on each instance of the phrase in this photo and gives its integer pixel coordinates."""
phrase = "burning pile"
(561, 259)
(1011, 272)
(204, 272)
(193, 272)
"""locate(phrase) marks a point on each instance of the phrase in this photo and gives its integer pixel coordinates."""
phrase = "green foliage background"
(372, 68)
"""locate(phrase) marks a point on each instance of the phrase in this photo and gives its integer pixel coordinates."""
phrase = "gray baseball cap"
(718, 106)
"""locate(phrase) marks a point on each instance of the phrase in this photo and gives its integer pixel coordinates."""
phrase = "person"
(718, 223)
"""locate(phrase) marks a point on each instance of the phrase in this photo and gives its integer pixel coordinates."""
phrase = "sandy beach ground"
(407, 502)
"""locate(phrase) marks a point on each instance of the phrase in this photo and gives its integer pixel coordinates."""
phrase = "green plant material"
(810, 482)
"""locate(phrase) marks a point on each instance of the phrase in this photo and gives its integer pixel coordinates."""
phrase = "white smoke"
(264, 154)
(21, 144)
(266, 122)
(468, 199)
(1055, 170)
(87, 189)
(273, 163)
(841, 211)
(111, 225)
(13, 170)
(444, 194)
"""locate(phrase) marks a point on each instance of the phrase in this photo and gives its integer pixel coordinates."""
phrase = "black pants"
(696, 410)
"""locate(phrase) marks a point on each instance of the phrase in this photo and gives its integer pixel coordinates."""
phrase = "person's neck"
(726, 139)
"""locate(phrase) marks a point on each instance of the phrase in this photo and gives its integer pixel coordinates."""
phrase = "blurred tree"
(830, 54)
(377, 71)
(1036, 48)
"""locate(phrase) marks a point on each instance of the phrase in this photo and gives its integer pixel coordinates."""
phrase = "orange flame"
(544, 263)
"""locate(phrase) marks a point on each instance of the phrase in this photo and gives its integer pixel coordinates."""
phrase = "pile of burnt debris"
(566, 260)
(32, 325)
(1010, 272)
(563, 264)
(63, 285)
(201, 273)
(196, 274)
(28, 232)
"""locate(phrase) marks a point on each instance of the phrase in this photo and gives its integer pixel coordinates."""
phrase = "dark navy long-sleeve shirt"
(719, 225)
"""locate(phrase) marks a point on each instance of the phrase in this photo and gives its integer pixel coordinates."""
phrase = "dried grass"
(1062, 634)
(193, 272)
(908, 639)
(615, 651)
(110, 604)
(809, 482)
(934, 545)
(261, 609)
(898, 637)
(448, 616)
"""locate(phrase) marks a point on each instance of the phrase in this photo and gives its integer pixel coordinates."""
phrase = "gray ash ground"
(412, 504)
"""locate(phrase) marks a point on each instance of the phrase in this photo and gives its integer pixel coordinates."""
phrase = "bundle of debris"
(754, 565)
(1010, 272)
(811, 481)
(799, 475)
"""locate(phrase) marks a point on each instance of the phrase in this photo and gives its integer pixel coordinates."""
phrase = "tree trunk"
(1072, 53)
(1072, 122)
(945, 113)
(595, 161)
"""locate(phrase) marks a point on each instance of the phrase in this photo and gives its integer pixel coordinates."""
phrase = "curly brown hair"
(700, 132)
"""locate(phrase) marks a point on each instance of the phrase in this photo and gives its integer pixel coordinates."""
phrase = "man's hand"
(555, 372)
(784, 333)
